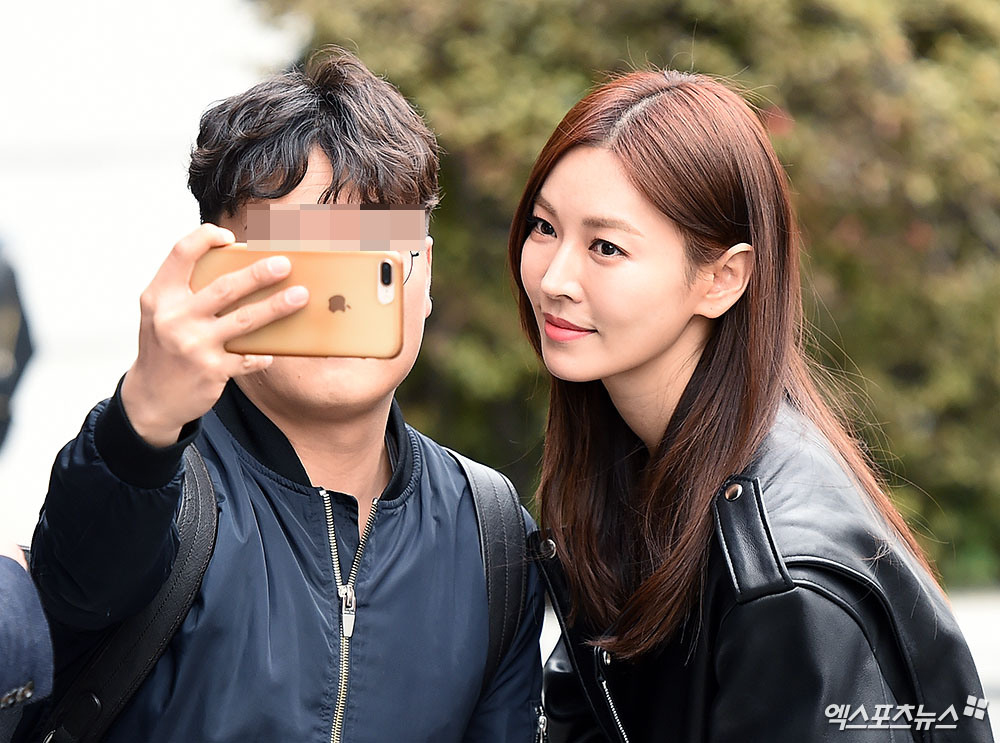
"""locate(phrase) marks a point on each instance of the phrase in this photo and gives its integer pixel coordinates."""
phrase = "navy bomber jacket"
(258, 657)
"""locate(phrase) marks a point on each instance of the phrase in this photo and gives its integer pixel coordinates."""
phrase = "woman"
(724, 562)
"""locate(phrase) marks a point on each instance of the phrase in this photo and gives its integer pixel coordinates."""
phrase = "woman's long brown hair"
(633, 528)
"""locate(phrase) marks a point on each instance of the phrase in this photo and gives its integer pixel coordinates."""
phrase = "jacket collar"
(266, 443)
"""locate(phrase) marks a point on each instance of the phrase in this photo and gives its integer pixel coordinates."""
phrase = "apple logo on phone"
(338, 303)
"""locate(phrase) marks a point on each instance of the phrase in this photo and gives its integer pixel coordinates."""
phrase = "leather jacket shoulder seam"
(839, 567)
(835, 598)
(802, 585)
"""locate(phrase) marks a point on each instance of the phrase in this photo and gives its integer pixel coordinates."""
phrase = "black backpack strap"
(502, 542)
(123, 660)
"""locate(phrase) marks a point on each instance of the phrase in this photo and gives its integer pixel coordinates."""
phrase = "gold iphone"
(355, 303)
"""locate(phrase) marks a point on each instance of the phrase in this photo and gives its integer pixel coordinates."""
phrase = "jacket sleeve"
(105, 540)
(25, 648)
(507, 711)
(788, 665)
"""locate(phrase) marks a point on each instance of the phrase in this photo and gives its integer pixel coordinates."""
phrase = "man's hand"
(182, 366)
(14, 552)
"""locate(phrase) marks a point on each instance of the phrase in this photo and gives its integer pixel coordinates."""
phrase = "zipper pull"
(542, 729)
(348, 609)
(602, 660)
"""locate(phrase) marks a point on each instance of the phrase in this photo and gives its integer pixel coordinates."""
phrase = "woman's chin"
(569, 372)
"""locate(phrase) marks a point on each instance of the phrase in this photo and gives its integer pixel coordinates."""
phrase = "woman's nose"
(561, 278)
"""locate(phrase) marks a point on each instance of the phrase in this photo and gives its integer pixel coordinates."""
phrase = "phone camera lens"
(386, 273)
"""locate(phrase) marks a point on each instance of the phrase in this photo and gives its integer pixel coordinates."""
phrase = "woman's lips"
(563, 331)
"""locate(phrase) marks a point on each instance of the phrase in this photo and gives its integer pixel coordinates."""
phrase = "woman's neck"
(646, 397)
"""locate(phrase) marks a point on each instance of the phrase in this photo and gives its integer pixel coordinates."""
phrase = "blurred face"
(608, 280)
(336, 387)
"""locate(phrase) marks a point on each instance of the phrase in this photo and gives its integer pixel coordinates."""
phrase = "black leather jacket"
(815, 624)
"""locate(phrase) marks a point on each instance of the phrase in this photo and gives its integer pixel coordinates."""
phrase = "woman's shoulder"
(800, 548)
(799, 504)
(813, 501)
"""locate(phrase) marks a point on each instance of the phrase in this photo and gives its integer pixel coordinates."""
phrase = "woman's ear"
(727, 280)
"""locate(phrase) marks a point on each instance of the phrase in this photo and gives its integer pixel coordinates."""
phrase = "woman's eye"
(539, 225)
(606, 249)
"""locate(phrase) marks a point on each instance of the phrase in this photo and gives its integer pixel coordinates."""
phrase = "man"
(304, 453)
(25, 650)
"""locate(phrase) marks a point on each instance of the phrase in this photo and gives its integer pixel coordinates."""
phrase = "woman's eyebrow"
(595, 222)
(540, 201)
(611, 224)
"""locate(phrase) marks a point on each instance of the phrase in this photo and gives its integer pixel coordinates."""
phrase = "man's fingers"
(251, 316)
(231, 287)
(249, 363)
(180, 261)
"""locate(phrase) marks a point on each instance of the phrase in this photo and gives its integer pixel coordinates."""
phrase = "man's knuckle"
(212, 366)
(186, 344)
(259, 272)
(185, 248)
(159, 322)
(184, 341)
(279, 303)
(147, 302)
(223, 288)
(243, 318)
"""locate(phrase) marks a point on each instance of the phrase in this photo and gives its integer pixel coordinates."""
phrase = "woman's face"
(608, 279)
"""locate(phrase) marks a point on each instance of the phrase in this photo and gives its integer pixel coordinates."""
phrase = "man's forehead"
(336, 226)
(277, 206)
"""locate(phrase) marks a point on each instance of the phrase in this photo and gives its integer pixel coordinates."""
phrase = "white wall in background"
(99, 107)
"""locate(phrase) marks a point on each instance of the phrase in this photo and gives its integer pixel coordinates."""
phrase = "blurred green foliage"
(887, 116)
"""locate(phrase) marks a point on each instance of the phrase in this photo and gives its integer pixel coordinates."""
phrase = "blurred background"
(886, 115)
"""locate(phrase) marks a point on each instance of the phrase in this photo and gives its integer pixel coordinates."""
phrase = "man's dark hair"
(256, 145)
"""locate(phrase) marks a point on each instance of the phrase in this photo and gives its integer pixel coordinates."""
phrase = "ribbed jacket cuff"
(129, 457)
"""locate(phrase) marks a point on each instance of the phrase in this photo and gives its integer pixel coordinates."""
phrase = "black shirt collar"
(268, 445)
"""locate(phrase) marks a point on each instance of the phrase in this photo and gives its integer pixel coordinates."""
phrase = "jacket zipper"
(542, 728)
(348, 607)
(602, 658)
(598, 668)
(614, 710)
